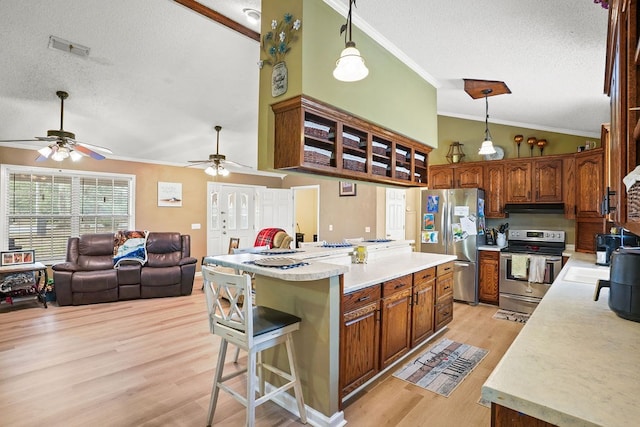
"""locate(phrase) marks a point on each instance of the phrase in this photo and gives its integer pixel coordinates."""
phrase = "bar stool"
(252, 328)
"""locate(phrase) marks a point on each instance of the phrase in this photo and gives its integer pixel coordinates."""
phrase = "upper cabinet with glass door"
(315, 137)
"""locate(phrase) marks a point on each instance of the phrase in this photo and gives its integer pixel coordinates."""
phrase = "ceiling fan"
(62, 143)
(217, 161)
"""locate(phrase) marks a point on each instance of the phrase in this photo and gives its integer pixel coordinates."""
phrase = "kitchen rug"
(443, 367)
(514, 316)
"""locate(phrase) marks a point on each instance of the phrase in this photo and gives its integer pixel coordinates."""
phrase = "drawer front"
(360, 298)
(396, 285)
(445, 268)
(444, 312)
(424, 276)
(444, 287)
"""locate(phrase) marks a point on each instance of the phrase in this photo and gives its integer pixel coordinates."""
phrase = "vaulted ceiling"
(159, 76)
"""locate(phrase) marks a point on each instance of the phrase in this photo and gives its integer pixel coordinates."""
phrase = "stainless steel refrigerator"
(453, 223)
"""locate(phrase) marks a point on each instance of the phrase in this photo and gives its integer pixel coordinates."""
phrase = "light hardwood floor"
(151, 363)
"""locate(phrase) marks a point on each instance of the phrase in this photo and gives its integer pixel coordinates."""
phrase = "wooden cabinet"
(315, 137)
(622, 84)
(456, 176)
(518, 181)
(494, 190)
(501, 416)
(440, 177)
(589, 192)
(547, 183)
(488, 276)
(444, 295)
(468, 176)
(569, 187)
(359, 338)
(422, 317)
(589, 184)
(538, 181)
(395, 313)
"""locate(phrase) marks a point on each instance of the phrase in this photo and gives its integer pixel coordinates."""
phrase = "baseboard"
(314, 418)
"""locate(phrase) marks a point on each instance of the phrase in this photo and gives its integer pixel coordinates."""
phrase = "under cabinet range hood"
(534, 208)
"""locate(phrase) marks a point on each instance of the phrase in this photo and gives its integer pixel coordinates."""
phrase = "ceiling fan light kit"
(216, 161)
(63, 144)
(350, 67)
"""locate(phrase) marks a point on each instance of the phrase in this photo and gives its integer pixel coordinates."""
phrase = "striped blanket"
(129, 246)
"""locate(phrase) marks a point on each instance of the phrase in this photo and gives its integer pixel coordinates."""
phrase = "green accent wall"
(471, 134)
(392, 96)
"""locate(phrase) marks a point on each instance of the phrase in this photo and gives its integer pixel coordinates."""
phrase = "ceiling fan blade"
(19, 140)
(94, 147)
(198, 162)
(231, 162)
(84, 150)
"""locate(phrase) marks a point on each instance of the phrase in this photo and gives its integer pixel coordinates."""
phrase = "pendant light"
(487, 144)
(350, 67)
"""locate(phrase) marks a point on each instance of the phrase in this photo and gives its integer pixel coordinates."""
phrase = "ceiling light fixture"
(350, 67)
(252, 15)
(487, 144)
(215, 170)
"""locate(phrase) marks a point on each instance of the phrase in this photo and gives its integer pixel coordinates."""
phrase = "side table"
(23, 282)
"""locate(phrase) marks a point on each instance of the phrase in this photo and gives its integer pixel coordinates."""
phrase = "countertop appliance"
(623, 284)
(606, 244)
(517, 293)
(453, 223)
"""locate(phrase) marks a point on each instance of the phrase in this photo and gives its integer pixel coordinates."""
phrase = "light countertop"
(390, 267)
(575, 362)
(493, 248)
(356, 276)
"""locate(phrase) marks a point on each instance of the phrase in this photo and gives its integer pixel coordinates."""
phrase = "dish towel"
(519, 266)
(537, 267)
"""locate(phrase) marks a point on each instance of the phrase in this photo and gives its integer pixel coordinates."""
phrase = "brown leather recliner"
(88, 275)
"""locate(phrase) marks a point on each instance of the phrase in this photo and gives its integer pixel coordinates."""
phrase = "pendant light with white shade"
(485, 88)
(350, 67)
(487, 144)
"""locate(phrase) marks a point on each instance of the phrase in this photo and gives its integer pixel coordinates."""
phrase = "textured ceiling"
(160, 76)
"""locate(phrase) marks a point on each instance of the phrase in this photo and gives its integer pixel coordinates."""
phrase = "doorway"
(306, 206)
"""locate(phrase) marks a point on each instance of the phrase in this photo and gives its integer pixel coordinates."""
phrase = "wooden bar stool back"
(253, 329)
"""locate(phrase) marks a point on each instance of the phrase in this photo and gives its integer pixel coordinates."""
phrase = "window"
(43, 207)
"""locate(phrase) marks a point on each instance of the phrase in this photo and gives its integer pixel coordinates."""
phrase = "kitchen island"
(314, 293)
(575, 362)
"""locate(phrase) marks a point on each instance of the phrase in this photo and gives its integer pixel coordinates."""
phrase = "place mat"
(281, 263)
(278, 251)
(514, 316)
(337, 245)
(443, 367)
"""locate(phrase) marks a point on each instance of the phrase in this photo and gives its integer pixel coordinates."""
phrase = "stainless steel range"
(541, 249)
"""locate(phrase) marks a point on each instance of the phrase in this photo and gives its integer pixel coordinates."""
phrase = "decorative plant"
(276, 42)
(603, 3)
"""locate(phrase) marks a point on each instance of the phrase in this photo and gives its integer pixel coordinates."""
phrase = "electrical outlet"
(367, 229)
(330, 227)
(195, 226)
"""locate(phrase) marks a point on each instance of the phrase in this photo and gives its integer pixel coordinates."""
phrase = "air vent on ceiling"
(67, 46)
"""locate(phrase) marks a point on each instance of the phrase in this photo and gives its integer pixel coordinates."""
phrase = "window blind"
(44, 207)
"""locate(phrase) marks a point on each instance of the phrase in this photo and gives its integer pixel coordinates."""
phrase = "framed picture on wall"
(170, 194)
(347, 188)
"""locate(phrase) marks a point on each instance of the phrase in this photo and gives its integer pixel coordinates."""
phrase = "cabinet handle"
(398, 286)
(363, 298)
(416, 298)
